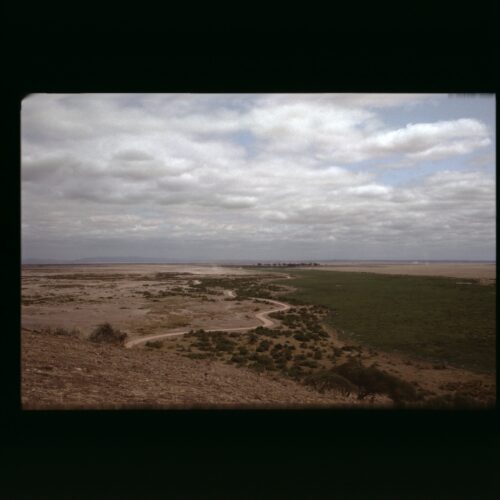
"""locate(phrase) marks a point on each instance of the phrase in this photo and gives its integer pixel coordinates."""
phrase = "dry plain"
(482, 271)
(65, 370)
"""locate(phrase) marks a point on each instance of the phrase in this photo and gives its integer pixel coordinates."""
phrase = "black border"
(373, 454)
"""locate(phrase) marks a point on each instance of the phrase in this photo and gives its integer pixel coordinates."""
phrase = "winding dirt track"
(262, 316)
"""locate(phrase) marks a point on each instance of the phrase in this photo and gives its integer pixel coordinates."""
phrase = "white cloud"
(248, 168)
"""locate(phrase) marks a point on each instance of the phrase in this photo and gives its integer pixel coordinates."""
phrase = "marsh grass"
(428, 317)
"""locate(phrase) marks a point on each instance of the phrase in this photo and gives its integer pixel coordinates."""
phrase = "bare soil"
(84, 296)
(485, 272)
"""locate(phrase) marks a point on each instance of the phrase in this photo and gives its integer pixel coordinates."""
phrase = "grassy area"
(439, 319)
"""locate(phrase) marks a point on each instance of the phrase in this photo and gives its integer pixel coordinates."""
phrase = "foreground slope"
(60, 371)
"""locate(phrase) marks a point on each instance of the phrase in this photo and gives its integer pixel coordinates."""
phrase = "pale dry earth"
(485, 272)
(113, 293)
(263, 317)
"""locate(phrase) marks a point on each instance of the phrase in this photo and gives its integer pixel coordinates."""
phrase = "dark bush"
(156, 344)
(224, 344)
(252, 338)
(328, 380)
(263, 346)
(63, 332)
(371, 380)
(105, 333)
(198, 355)
(238, 359)
(455, 402)
(308, 363)
(262, 362)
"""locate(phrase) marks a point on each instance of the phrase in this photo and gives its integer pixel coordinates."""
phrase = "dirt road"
(262, 316)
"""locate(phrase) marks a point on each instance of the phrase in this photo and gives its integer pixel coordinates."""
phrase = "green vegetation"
(429, 317)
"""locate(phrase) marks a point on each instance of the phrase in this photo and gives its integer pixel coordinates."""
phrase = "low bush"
(328, 380)
(371, 380)
(156, 344)
(198, 355)
(224, 344)
(105, 333)
(62, 332)
(453, 402)
(262, 362)
(263, 346)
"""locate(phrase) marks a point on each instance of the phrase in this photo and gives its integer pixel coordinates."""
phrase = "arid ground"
(486, 271)
(229, 350)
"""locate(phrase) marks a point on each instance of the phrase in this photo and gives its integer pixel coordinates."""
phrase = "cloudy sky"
(256, 176)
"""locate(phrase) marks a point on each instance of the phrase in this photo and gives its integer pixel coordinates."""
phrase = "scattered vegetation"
(61, 332)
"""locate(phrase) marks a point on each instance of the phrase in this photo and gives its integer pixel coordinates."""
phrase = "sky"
(204, 177)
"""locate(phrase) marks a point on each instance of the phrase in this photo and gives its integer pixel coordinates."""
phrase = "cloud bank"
(255, 176)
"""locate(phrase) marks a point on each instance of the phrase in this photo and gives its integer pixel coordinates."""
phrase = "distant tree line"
(289, 264)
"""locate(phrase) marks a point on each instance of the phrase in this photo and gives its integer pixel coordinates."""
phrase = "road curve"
(261, 316)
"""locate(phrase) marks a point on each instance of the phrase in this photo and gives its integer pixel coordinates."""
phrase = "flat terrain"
(347, 338)
(139, 299)
(434, 318)
(484, 272)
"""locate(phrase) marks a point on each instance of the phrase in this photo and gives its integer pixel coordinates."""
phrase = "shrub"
(300, 336)
(105, 333)
(308, 363)
(198, 355)
(252, 338)
(455, 402)
(224, 344)
(328, 380)
(263, 346)
(238, 359)
(156, 344)
(262, 362)
(371, 380)
(63, 332)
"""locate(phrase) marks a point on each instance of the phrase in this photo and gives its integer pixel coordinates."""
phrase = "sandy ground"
(262, 317)
(85, 296)
(452, 270)
(133, 269)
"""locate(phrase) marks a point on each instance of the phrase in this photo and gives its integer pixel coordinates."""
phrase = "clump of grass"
(455, 402)
(105, 333)
(155, 344)
(62, 332)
